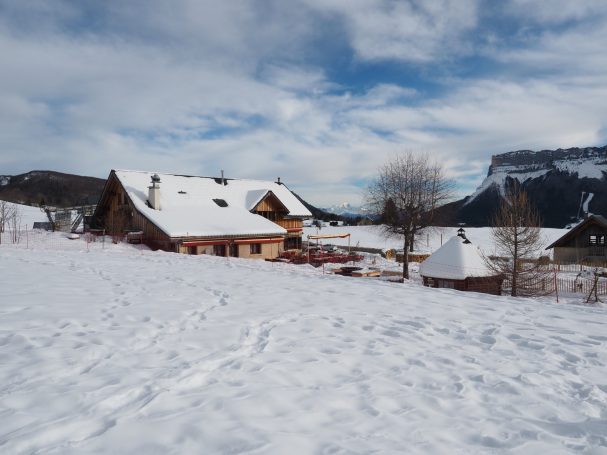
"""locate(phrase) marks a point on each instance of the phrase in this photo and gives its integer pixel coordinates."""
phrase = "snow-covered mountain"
(346, 209)
(5, 180)
(563, 183)
(526, 165)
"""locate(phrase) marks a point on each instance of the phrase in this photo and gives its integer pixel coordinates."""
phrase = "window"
(446, 284)
(255, 248)
(293, 243)
(597, 240)
(268, 215)
(220, 202)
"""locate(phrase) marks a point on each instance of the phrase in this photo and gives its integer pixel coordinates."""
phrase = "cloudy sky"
(318, 92)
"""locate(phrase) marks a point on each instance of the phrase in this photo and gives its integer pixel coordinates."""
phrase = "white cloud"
(195, 87)
(404, 30)
(556, 11)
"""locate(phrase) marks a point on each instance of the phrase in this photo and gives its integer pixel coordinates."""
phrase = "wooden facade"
(486, 285)
(585, 242)
(271, 208)
(117, 214)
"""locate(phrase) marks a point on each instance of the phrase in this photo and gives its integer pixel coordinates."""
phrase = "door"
(219, 250)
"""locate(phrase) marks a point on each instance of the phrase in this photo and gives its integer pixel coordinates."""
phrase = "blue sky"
(318, 92)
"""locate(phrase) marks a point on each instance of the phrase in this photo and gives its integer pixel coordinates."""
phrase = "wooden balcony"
(596, 251)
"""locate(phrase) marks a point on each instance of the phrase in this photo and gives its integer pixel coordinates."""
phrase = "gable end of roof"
(592, 219)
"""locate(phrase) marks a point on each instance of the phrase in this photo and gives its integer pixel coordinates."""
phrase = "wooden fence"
(579, 267)
(583, 286)
(564, 285)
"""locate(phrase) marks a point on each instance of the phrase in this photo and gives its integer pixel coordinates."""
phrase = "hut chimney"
(462, 233)
(223, 181)
(154, 192)
(278, 181)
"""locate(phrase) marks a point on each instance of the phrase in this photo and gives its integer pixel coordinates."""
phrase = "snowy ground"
(122, 350)
(373, 237)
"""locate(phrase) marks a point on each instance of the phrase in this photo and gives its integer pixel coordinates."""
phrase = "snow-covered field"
(123, 350)
(431, 240)
(365, 236)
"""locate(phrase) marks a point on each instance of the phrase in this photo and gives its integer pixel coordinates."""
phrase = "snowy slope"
(130, 351)
(28, 215)
(431, 240)
(498, 179)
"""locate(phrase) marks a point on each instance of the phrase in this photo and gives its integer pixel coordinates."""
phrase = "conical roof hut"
(459, 264)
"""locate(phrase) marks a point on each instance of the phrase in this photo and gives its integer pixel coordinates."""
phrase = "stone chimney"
(154, 192)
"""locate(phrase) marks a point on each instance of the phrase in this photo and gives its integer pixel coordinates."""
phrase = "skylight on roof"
(220, 202)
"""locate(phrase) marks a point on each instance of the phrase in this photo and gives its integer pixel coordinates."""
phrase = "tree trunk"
(412, 243)
(406, 258)
(515, 264)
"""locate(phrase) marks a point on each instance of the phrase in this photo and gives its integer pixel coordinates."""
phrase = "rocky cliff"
(563, 184)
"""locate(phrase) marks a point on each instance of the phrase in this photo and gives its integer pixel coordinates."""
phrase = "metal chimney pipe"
(154, 192)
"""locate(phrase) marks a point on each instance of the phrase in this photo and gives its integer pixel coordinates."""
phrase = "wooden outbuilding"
(584, 242)
(458, 264)
(202, 215)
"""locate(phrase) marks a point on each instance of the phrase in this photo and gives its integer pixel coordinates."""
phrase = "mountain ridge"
(50, 188)
(558, 182)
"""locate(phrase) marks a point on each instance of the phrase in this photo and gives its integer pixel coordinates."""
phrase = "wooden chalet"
(202, 215)
(584, 242)
(458, 264)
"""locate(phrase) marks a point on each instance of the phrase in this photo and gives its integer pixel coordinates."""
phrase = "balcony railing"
(596, 250)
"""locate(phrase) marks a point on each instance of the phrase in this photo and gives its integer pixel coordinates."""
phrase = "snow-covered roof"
(188, 207)
(455, 260)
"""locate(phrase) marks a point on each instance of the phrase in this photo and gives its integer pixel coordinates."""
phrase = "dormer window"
(220, 202)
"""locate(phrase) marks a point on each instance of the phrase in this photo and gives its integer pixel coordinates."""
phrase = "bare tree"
(15, 224)
(6, 212)
(10, 218)
(517, 236)
(405, 193)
